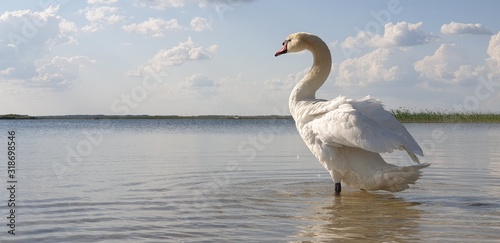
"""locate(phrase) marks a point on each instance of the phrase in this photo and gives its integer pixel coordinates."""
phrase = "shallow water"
(237, 180)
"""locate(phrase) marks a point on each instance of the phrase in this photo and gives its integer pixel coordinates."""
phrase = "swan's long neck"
(307, 87)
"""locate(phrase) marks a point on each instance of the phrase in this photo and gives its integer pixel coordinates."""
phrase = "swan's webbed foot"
(338, 188)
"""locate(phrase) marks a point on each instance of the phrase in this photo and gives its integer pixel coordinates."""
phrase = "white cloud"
(493, 51)
(25, 36)
(59, 72)
(7, 71)
(437, 66)
(200, 24)
(277, 84)
(400, 34)
(403, 34)
(359, 41)
(160, 4)
(287, 84)
(154, 27)
(68, 29)
(193, 89)
(158, 27)
(98, 17)
(447, 65)
(25, 30)
(103, 14)
(220, 6)
(198, 81)
(274, 84)
(370, 68)
(177, 55)
(455, 28)
(164, 4)
(67, 26)
(103, 2)
(468, 73)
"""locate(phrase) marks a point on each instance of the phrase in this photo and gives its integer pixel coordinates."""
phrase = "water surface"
(238, 181)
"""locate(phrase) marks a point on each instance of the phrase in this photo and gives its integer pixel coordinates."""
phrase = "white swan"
(347, 135)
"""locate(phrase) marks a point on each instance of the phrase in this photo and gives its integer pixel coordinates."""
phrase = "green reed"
(432, 116)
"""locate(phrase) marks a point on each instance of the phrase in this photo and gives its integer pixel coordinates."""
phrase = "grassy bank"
(407, 116)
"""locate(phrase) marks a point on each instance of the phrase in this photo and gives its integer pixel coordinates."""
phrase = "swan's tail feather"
(367, 170)
(412, 156)
(399, 178)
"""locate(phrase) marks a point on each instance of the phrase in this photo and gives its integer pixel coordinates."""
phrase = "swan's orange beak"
(282, 51)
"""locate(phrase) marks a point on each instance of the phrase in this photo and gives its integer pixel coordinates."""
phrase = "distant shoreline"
(403, 116)
(93, 117)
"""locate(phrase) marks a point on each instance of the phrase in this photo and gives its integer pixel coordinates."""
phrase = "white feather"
(347, 135)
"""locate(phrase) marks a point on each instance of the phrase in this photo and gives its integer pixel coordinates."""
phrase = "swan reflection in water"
(358, 215)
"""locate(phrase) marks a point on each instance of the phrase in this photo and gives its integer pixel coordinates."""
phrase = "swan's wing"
(364, 124)
(374, 109)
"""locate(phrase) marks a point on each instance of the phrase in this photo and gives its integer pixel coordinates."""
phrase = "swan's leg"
(336, 179)
(338, 188)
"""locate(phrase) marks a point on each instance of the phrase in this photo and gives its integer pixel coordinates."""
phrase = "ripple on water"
(154, 181)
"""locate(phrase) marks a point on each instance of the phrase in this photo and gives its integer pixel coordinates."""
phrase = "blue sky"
(187, 57)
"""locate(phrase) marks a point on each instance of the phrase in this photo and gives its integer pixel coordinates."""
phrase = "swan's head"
(297, 42)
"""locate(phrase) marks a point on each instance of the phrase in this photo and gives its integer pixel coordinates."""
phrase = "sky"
(187, 57)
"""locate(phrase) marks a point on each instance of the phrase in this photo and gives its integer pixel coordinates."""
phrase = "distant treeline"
(403, 115)
(16, 116)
